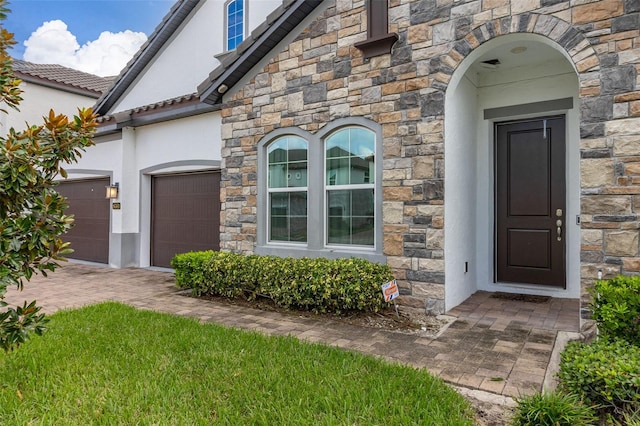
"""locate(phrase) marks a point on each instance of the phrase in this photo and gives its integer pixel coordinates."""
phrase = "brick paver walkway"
(496, 345)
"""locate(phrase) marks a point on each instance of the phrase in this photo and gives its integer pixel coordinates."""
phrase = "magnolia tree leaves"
(32, 217)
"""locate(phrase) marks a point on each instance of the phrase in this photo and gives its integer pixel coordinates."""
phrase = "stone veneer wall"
(321, 77)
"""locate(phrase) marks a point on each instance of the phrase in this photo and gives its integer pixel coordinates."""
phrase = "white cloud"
(53, 43)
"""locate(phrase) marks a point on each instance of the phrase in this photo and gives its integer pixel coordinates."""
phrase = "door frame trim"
(538, 108)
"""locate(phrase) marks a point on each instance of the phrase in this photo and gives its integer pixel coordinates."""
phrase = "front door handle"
(559, 230)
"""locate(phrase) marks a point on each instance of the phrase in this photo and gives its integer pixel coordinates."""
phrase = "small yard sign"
(390, 291)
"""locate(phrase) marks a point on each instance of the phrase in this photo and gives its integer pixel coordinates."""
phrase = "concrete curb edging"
(550, 380)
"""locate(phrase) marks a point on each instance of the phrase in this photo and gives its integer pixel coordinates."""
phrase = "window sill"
(378, 45)
(222, 56)
(332, 253)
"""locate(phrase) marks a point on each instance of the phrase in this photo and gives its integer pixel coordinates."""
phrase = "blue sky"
(85, 21)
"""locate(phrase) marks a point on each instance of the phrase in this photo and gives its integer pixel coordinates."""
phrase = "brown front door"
(530, 201)
(185, 215)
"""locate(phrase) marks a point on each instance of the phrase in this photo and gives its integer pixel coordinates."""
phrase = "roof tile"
(63, 75)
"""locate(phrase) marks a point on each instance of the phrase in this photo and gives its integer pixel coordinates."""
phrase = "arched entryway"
(517, 85)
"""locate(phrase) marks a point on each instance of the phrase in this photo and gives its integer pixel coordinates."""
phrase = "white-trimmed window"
(287, 188)
(235, 11)
(350, 187)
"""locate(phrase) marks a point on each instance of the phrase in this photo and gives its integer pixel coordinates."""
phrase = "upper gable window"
(235, 14)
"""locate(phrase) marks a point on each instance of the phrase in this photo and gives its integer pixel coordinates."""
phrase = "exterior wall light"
(222, 88)
(112, 190)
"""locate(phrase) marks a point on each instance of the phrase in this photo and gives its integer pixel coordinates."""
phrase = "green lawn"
(112, 364)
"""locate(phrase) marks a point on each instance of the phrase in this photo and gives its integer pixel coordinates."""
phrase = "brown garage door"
(89, 236)
(185, 214)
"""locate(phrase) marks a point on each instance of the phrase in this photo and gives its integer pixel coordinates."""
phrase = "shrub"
(223, 274)
(325, 285)
(317, 285)
(616, 308)
(603, 373)
(359, 283)
(300, 284)
(189, 268)
(552, 409)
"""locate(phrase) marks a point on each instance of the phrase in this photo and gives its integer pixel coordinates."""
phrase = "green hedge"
(606, 374)
(316, 285)
(189, 269)
(616, 308)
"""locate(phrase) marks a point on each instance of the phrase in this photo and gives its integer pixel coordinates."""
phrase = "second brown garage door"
(89, 236)
(185, 211)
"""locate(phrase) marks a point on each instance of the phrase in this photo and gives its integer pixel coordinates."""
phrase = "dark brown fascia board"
(250, 52)
(58, 85)
(171, 22)
(152, 116)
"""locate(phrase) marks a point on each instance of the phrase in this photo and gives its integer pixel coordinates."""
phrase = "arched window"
(349, 187)
(320, 194)
(234, 13)
(287, 189)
